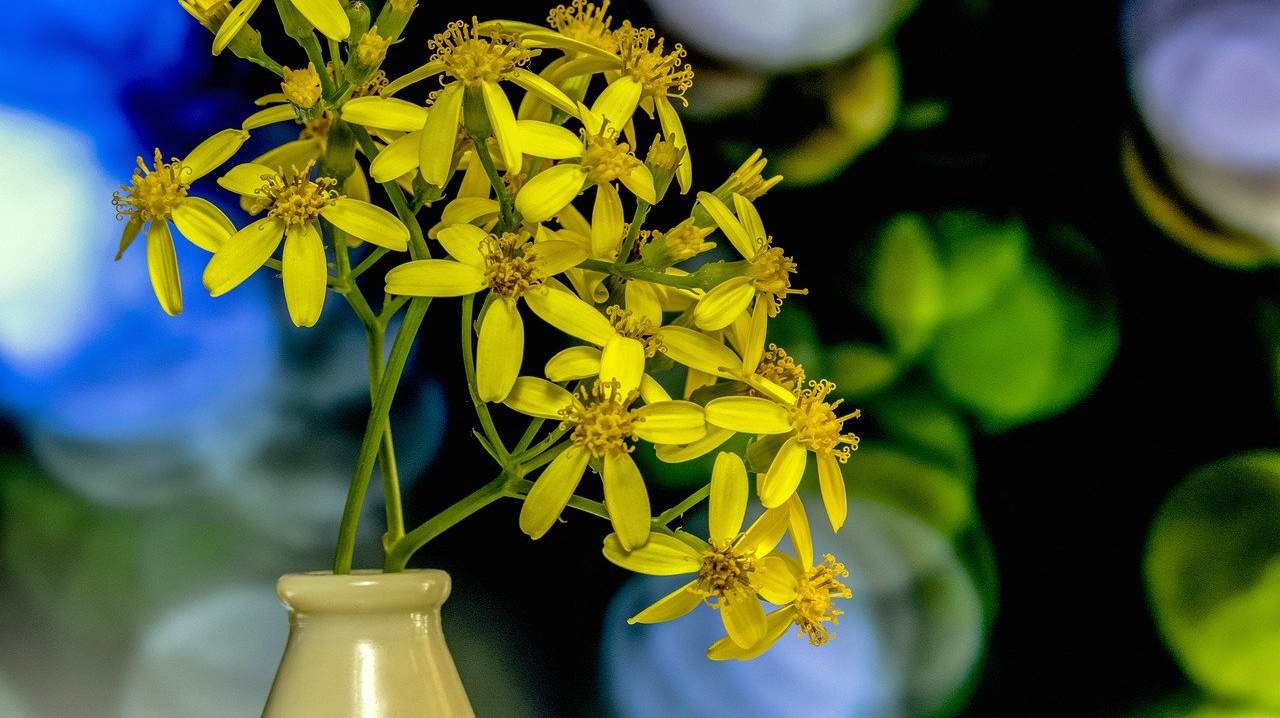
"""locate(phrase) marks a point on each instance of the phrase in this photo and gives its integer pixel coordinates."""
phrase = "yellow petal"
(246, 179)
(776, 625)
(503, 121)
(642, 300)
(831, 482)
(743, 617)
(553, 256)
(720, 306)
(687, 452)
(462, 242)
(396, 159)
(798, 527)
(162, 264)
(439, 135)
(728, 503)
(607, 223)
(780, 482)
(305, 273)
(290, 154)
(640, 181)
(213, 152)
(466, 210)
(233, 23)
(543, 139)
(771, 389)
(661, 555)
(753, 345)
(617, 102)
(550, 191)
(130, 233)
(651, 392)
(369, 222)
(697, 350)
(765, 532)
(670, 422)
(543, 37)
(475, 183)
(499, 350)
(729, 224)
(328, 17)
(774, 579)
(750, 219)
(749, 414)
(202, 223)
(627, 500)
(271, 98)
(435, 278)
(573, 221)
(533, 396)
(671, 606)
(571, 315)
(573, 364)
(269, 116)
(544, 89)
(671, 125)
(623, 361)
(552, 491)
(356, 185)
(416, 75)
(385, 113)
(242, 254)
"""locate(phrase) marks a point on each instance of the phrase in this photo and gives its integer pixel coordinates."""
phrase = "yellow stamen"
(604, 158)
(781, 368)
(585, 22)
(817, 426)
(659, 73)
(509, 266)
(295, 197)
(301, 87)
(770, 272)
(813, 600)
(686, 240)
(602, 422)
(152, 194)
(473, 59)
(632, 325)
(373, 86)
(371, 48)
(725, 570)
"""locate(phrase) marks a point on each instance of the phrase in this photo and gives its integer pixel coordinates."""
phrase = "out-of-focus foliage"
(1213, 573)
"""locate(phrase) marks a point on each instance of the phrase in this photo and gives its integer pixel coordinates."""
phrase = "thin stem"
(527, 437)
(519, 488)
(417, 242)
(633, 232)
(469, 366)
(542, 459)
(505, 202)
(390, 307)
(401, 551)
(666, 517)
(547, 442)
(368, 262)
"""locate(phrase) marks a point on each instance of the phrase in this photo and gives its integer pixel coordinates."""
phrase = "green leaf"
(979, 257)
(923, 422)
(906, 285)
(893, 476)
(860, 370)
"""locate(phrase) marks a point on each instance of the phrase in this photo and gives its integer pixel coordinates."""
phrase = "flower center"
(602, 422)
(632, 325)
(509, 268)
(816, 424)
(659, 74)
(604, 158)
(781, 368)
(725, 570)
(687, 240)
(813, 600)
(295, 197)
(301, 87)
(585, 22)
(474, 59)
(770, 272)
(152, 194)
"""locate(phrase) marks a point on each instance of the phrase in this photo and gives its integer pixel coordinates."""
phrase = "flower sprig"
(530, 147)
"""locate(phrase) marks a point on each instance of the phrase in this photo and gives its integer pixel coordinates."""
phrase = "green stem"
(547, 442)
(390, 307)
(527, 437)
(367, 263)
(417, 242)
(519, 488)
(633, 232)
(506, 203)
(675, 512)
(542, 459)
(469, 366)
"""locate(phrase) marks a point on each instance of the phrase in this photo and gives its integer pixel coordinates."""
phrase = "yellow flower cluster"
(526, 146)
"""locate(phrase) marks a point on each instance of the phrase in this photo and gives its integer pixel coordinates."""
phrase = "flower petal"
(439, 135)
(466, 210)
(268, 116)
(499, 350)
(416, 75)
(661, 555)
(671, 606)
(242, 254)
(553, 256)
(552, 491)
(750, 218)
(642, 300)
(129, 234)
(202, 223)
(162, 264)
(617, 102)
(776, 625)
(729, 224)
(757, 329)
(720, 306)
(774, 579)
(764, 534)
(234, 22)
(651, 392)
(305, 273)
(213, 152)
(550, 191)
(246, 179)
(670, 422)
(728, 503)
(573, 364)
(533, 396)
(328, 17)
(462, 242)
(749, 414)
(834, 497)
(503, 120)
(688, 452)
(434, 278)
(743, 617)
(640, 181)
(607, 223)
(369, 222)
(627, 500)
(622, 361)
(396, 159)
(798, 527)
(543, 37)
(696, 350)
(544, 89)
(566, 312)
(671, 125)
(785, 471)
(385, 113)
(543, 139)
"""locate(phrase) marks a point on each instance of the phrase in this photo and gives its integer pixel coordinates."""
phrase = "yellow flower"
(653, 77)
(814, 588)
(732, 568)
(768, 275)
(770, 372)
(294, 204)
(586, 23)
(601, 160)
(156, 196)
(327, 16)
(810, 425)
(605, 428)
(511, 267)
(301, 87)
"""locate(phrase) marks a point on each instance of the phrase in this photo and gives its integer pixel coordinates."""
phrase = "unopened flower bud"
(371, 48)
(684, 241)
(662, 159)
(359, 18)
(301, 87)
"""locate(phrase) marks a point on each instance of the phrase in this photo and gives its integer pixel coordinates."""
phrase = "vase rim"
(363, 591)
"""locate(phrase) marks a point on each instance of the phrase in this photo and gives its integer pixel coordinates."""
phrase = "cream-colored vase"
(366, 645)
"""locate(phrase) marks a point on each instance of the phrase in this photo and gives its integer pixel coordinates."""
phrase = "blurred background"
(1041, 245)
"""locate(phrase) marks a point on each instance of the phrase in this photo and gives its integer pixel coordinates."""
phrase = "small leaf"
(906, 285)
(860, 370)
